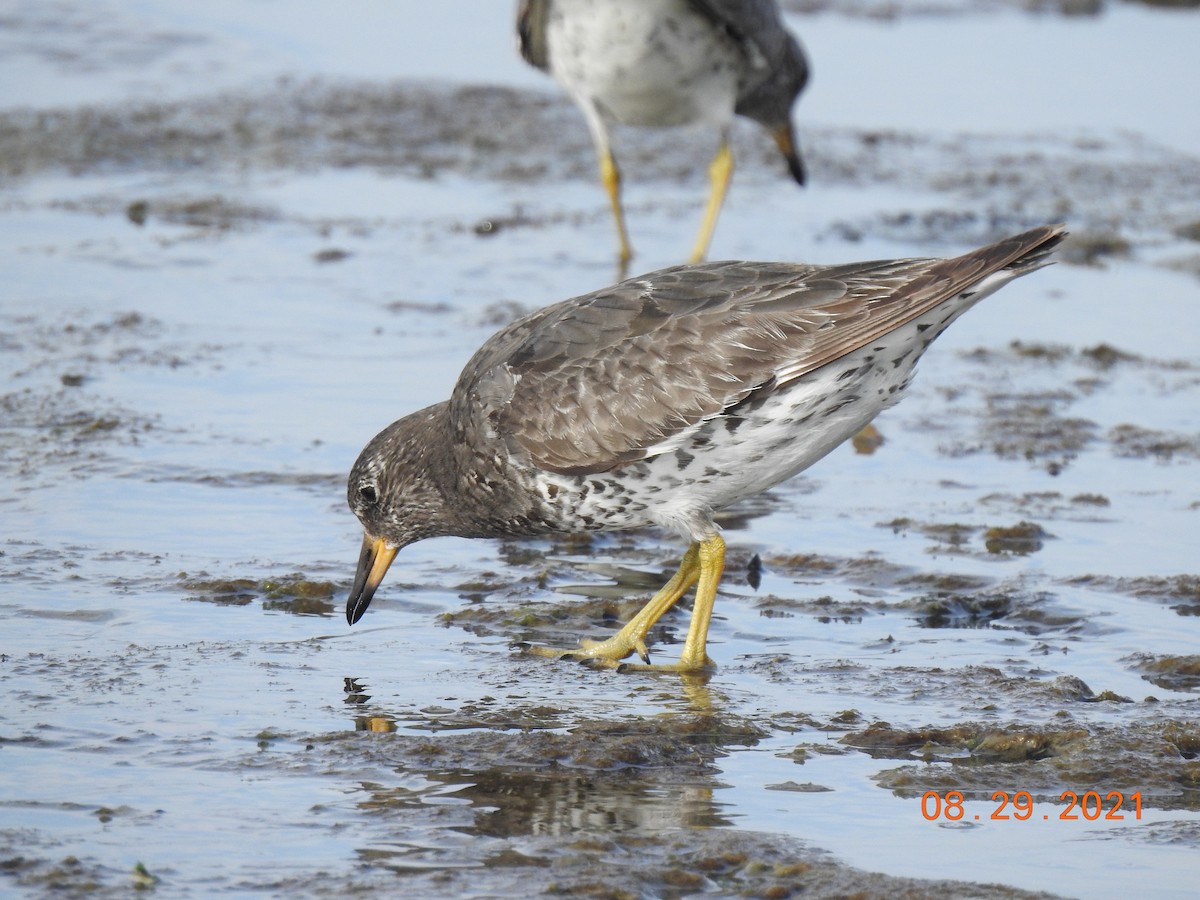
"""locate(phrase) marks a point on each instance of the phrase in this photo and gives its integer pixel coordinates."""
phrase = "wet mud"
(989, 185)
(996, 592)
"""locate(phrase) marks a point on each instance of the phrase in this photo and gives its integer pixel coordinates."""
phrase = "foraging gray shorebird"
(658, 401)
(670, 62)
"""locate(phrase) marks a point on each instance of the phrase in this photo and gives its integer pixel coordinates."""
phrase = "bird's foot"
(703, 666)
(606, 654)
(611, 654)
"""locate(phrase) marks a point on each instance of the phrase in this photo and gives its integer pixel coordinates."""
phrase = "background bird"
(658, 401)
(670, 62)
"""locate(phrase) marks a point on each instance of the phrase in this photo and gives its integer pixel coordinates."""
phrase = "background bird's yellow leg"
(632, 638)
(694, 657)
(720, 172)
(610, 176)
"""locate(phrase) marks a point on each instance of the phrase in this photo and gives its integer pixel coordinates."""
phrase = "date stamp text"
(1090, 806)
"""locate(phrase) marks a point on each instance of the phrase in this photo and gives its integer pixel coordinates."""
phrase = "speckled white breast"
(732, 457)
(643, 62)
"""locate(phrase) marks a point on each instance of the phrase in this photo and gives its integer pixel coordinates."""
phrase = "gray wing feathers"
(601, 380)
(531, 32)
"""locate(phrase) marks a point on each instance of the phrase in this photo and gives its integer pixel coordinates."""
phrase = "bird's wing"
(600, 380)
(629, 371)
(531, 32)
(756, 24)
(744, 22)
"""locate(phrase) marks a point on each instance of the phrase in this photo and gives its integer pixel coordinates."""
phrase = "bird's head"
(770, 103)
(392, 492)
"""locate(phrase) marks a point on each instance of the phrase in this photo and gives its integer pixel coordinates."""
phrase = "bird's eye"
(368, 493)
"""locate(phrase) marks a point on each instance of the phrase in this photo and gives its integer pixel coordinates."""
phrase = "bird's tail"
(1031, 248)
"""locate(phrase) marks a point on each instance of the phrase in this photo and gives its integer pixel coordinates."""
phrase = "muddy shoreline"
(213, 301)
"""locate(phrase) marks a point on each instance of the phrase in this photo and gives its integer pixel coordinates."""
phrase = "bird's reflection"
(357, 696)
(639, 776)
(563, 803)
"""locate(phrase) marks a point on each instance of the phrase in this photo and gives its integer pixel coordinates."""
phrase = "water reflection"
(356, 695)
(554, 802)
(380, 724)
(520, 773)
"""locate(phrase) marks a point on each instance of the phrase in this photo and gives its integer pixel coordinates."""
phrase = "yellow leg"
(720, 172)
(702, 566)
(712, 565)
(694, 657)
(632, 638)
(610, 175)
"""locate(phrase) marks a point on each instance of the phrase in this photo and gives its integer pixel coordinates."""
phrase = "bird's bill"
(785, 140)
(373, 564)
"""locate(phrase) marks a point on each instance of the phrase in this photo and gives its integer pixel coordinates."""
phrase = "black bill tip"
(373, 562)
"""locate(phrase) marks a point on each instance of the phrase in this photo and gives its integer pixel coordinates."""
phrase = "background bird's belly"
(640, 69)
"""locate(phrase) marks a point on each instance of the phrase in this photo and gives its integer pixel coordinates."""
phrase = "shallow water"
(237, 243)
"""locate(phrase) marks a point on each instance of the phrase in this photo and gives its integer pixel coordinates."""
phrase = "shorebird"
(658, 401)
(670, 62)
